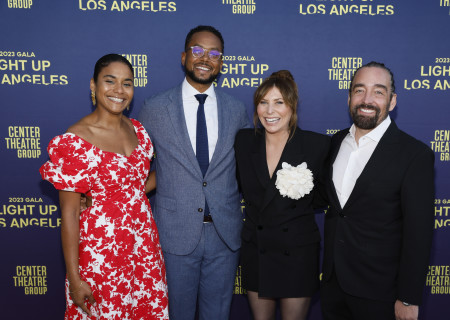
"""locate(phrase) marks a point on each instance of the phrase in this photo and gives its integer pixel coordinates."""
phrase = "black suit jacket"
(379, 242)
(278, 226)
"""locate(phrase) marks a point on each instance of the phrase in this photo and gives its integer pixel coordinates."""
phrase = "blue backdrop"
(48, 50)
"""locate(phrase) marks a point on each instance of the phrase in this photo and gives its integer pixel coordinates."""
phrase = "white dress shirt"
(190, 106)
(353, 157)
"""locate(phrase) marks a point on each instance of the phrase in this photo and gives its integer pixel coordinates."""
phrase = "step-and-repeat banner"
(47, 54)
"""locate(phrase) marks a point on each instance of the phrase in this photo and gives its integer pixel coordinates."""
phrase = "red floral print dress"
(120, 254)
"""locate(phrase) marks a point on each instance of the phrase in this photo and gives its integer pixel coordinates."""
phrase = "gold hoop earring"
(128, 107)
(93, 98)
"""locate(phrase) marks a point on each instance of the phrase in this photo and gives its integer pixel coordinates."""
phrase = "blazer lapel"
(293, 155)
(333, 154)
(223, 131)
(376, 164)
(176, 113)
(259, 160)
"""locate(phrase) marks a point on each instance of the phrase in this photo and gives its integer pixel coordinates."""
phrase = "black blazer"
(273, 221)
(379, 243)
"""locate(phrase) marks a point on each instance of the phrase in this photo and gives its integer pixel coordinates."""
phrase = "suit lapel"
(333, 154)
(223, 130)
(259, 159)
(176, 113)
(376, 164)
(292, 154)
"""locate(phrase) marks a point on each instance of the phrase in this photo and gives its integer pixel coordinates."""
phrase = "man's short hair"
(200, 29)
(375, 65)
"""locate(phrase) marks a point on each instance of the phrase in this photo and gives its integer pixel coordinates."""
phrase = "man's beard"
(192, 75)
(366, 122)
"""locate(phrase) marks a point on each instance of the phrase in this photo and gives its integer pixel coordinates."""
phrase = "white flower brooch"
(294, 182)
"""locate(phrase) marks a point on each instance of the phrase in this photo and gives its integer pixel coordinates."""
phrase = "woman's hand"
(80, 292)
(150, 184)
(85, 202)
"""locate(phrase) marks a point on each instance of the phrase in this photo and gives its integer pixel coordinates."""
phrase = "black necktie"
(202, 150)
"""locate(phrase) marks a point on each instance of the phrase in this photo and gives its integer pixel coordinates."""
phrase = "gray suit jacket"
(181, 189)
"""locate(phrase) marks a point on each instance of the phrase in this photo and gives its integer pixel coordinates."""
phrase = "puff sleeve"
(144, 139)
(73, 164)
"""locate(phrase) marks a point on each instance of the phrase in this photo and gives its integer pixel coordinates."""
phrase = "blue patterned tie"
(202, 151)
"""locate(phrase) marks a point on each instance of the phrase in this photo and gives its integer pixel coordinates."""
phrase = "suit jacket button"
(204, 183)
(260, 227)
(342, 215)
(200, 209)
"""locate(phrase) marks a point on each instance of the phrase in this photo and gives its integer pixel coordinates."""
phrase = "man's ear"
(393, 102)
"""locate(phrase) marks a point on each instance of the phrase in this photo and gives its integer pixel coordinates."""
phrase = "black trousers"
(338, 305)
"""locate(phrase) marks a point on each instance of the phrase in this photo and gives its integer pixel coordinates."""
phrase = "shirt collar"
(189, 91)
(377, 133)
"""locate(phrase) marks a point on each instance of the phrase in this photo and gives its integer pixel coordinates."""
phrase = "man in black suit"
(379, 226)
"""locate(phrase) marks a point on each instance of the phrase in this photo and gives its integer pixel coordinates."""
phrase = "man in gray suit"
(197, 208)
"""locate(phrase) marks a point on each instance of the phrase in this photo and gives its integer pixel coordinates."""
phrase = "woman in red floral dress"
(115, 268)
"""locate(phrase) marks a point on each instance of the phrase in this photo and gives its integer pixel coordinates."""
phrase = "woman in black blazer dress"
(280, 238)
